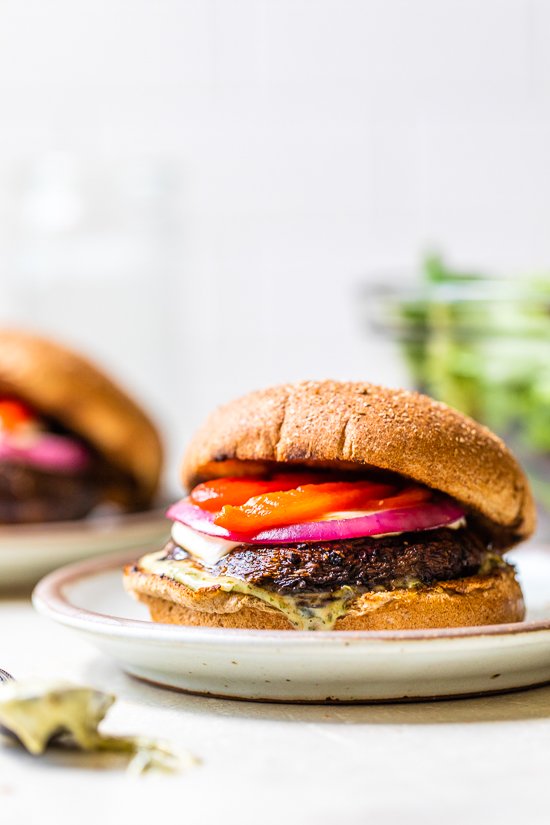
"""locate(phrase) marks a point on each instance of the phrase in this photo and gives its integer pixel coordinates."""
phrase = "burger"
(70, 438)
(345, 506)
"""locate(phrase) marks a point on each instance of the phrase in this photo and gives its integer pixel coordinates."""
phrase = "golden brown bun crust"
(396, 430)
(65, 386)
(477, 600)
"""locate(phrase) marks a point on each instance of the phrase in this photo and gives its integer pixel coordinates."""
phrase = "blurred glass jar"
(482, 345)
(89, 253)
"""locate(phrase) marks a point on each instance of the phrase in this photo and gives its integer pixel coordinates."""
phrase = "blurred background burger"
(71, 440)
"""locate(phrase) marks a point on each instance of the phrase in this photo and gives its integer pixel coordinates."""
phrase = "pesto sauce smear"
(306, 611)
(37, 713)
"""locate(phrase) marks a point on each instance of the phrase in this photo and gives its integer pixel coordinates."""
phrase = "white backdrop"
(303, 145)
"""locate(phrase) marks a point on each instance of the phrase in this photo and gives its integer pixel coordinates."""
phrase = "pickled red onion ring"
(425, 516)
(47, 451)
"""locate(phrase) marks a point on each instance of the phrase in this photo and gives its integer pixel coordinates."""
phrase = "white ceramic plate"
(28, 552)
(300, 666)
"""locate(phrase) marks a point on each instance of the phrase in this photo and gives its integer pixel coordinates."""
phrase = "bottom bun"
(495, 598)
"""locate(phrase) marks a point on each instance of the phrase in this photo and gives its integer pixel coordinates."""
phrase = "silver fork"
(5, 677)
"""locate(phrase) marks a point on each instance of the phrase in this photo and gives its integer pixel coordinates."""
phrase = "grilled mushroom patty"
(29, 494)
(388, 562)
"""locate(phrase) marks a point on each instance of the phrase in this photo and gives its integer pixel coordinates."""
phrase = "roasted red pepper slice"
(305, 503)
(213, 495)
(406, 498)
(13, 413)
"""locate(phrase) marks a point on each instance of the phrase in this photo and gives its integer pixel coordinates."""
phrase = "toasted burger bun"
(63, 385)
(357, 425)
(476, 600)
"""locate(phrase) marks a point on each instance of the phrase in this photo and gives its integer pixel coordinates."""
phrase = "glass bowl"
(480, 344)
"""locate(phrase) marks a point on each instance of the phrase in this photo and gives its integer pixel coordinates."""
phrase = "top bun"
(63, 385)
(358, 424)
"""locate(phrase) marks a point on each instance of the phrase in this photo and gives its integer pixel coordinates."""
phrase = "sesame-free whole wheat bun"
(477, 600)
(359, 425)
(444, 577)
(64, 386)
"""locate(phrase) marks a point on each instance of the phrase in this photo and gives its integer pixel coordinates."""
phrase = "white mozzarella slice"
(207, 549)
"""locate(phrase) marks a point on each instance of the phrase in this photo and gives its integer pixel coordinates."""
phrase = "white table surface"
(476, 761)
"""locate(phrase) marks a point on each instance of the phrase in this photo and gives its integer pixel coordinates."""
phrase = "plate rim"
(87, 524)
(49, 600)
